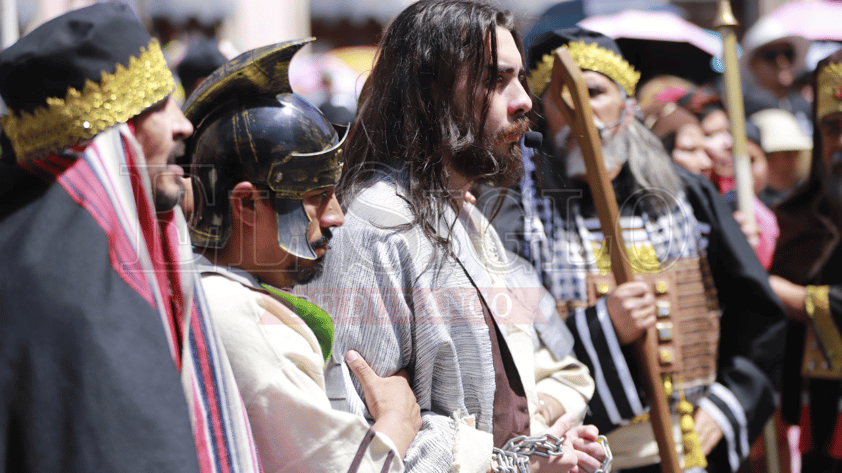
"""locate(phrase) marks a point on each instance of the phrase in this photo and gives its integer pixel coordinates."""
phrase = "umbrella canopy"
(812, 19)
(661, 42)
(346, 67)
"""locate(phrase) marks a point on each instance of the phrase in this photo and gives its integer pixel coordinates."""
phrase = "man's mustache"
(517, 128)
(177, 152)
(323, 240)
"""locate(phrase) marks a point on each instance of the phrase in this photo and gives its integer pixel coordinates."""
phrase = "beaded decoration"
(80, 116)
(591, 57)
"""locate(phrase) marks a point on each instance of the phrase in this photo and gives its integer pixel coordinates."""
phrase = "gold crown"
(591, 57)
(829, 84)
(79, 116)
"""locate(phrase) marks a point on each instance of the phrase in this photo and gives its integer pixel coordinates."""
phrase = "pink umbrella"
(655, 26)
(812, 19)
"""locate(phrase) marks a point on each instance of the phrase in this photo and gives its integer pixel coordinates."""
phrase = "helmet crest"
(250, 126)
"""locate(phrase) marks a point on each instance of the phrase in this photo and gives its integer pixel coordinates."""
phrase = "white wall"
(257, 23)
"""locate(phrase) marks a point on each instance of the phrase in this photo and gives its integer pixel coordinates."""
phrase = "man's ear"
(244, 198)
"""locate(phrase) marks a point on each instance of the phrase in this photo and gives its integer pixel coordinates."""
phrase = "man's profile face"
(506, 121)
(508, 100)
(161, 130)
(607, 103)
(605, 97)
(830, 130)
(772, 65)
(325, 214)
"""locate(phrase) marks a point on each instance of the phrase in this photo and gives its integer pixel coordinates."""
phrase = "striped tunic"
(402, 304)
(565, 247)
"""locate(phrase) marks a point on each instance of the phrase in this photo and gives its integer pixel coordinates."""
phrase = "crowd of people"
(230, 282)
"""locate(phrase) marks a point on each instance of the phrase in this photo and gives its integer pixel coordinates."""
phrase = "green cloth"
(314, 316)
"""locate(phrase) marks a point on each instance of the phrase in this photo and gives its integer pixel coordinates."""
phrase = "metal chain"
(609, 458)
(524, 445)
(514, 456)
(503, 462)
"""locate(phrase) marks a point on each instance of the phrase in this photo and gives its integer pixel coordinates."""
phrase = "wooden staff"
(578, 116)
(726, 23)
(8, 23)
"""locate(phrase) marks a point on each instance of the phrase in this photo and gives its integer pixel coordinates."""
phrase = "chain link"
(514, 456)
(524, 445)
(503, 462)
(609, 458)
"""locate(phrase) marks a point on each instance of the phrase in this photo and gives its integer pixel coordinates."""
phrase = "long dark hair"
(408, 115)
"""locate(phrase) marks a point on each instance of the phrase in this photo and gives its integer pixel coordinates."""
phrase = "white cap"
(779, 131)
(767, 30)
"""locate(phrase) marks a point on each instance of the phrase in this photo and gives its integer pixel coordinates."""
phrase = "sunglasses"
(771, 55)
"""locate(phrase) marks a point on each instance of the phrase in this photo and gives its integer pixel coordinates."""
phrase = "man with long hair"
(417, 278)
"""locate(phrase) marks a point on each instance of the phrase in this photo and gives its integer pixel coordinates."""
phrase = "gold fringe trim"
(829, 93)
(82, 115)
(693, 454)
(591, 57)
(817, 306)
(642, 258)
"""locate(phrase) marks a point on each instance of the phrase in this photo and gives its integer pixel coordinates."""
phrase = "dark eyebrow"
(502, 69)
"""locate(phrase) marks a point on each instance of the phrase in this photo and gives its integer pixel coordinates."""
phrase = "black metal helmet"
(250, 126)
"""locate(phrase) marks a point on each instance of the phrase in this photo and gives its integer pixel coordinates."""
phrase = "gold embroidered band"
(591, 57)
(817, 306)
(80, 116)
(829, 93)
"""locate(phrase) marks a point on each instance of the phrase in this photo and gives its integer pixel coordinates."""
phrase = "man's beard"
(167, 197)
(635, 145)
(496, 159)
(166, 200)
(309, 270)
(832, 181)
(615, 151)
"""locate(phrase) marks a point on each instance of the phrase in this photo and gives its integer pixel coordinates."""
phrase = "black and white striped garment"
(561, 243)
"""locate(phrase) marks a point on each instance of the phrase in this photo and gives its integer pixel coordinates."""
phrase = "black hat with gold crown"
(250, 126)
(78, 75)
(590, 50)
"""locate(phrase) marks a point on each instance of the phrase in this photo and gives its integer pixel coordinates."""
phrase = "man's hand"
(709, 432)
(752, 232)
(582, 452)
(589, 452)
(568, 462)
(390, 400)
(793, 297)
(631, 307)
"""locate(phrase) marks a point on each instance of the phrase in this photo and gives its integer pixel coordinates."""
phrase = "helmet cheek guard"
(293, 223)
(290, 180)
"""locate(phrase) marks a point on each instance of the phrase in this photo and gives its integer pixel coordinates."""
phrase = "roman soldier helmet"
(250, 126)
